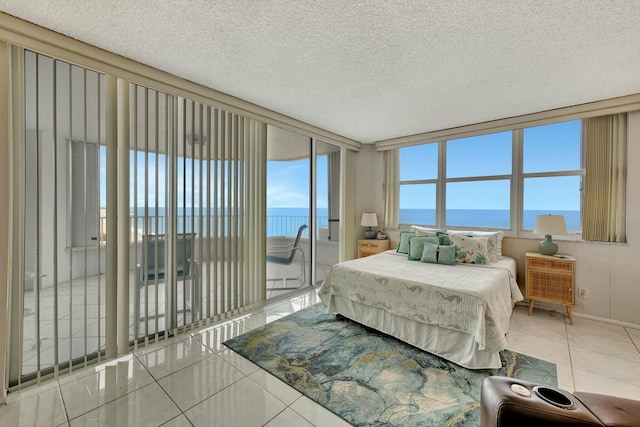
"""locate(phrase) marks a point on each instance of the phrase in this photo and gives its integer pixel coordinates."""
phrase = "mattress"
(459, 312)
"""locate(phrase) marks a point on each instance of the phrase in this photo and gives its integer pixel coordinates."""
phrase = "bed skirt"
(458, 347)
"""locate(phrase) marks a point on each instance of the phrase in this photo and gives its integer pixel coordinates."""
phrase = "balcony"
(79, 304)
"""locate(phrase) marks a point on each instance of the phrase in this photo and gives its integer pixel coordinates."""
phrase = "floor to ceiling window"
(62, 301)
(288, 211)
(303, 210)
(327, 190)
(190, 201)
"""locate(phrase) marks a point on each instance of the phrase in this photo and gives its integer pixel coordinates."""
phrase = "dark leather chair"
(501, 406)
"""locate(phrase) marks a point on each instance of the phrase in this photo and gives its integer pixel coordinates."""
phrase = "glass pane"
(327, 208)
(553, 147)
(478, 204)
(418, 204)
(558, 195)
(482, 155)
(288, 211)
(63, 298)
(419, 162)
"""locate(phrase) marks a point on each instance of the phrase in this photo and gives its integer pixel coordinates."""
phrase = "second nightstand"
(551, 279)
(371, 247)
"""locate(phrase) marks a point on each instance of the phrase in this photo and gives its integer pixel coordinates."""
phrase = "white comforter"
(475, 299)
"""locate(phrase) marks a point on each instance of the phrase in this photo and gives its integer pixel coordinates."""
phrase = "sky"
(546, 148)
(288, 182)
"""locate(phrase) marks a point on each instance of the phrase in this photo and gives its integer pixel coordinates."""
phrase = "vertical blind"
(205, 201)
(603, 214)
(196, 216)
(58, 298)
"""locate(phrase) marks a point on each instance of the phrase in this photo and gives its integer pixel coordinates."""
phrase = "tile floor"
(194, 380)
(81, 313)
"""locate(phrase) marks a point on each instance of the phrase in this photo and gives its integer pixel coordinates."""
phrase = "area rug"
(371, 379)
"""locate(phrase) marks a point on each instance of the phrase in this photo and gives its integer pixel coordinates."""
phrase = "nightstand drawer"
(551, 264)
(371, 247)
(550, 279)
(550, 286)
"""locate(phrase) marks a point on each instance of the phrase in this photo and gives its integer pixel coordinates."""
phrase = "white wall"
(369, 195)
(609, 272)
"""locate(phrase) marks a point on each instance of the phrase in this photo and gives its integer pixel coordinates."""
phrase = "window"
(552, 173)
(418, 179)
(478, 182)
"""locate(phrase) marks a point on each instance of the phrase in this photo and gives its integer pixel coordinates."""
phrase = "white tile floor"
(81, 305)
(194, 380)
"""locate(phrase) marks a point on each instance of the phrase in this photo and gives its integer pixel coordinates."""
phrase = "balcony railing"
(276, 225)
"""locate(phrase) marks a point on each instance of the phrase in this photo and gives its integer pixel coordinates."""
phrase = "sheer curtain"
(603, 214)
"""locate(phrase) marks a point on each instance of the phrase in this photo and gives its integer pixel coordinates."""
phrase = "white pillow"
(471, 250)
(426, 231)
(494, 245)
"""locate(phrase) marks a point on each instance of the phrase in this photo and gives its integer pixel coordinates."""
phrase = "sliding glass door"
(303, 211)
(60, 300)
(288, 211)
(187, 220)
(327, 190)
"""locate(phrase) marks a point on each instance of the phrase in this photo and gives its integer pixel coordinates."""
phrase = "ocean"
(286, 221)
(486, 218)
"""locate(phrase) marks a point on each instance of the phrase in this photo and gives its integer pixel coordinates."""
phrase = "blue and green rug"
(371, 379)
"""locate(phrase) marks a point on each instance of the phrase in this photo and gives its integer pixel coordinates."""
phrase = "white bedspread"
(475, 299)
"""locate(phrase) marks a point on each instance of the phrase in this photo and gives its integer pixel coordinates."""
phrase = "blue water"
(280, 221)
(286, 221)
(485, 218)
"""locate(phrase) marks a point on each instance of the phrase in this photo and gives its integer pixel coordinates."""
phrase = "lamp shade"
(369, 219)
(550, 224)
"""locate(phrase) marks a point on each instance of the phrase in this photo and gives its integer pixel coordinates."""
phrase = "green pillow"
(444, 238)
(440, 254)
(403, 244)
(416, 246)
(430, 253)
(446, 254)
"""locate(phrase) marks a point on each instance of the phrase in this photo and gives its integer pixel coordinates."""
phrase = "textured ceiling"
(372, 70)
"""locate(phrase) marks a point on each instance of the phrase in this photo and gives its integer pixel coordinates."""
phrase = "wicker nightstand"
(371, 247)
(551, 279)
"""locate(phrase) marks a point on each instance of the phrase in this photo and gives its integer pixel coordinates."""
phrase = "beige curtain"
(603, 214)
(392, 188)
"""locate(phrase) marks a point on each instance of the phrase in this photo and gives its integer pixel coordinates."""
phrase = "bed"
(460, 312)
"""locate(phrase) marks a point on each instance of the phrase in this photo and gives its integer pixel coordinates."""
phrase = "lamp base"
(368, 234)
(548, 246)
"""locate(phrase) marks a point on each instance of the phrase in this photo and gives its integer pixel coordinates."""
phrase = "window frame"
(516, 179)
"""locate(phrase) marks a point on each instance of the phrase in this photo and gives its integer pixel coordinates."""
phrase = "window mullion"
(556, 173)
(441, 185)
(517, 181)
(419, 181)
(479, 178)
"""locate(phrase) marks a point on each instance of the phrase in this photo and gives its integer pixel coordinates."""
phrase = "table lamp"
(548, 225)
(369, 219)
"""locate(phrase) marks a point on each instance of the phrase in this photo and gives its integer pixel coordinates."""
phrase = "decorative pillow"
(446, 254)
(444, 238)
(416, 246)
(403, 243)
(494, 245)
(440, 254)
(430, 253)
(472, 250)
(426, 231)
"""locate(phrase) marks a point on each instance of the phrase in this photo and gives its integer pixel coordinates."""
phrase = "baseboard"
(605, 320)
(587, 316)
